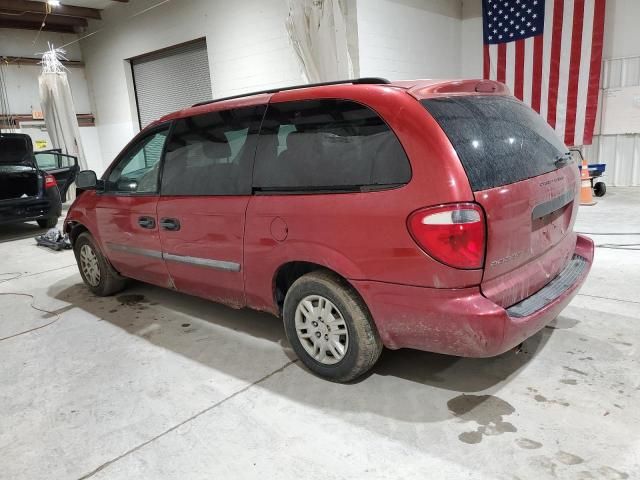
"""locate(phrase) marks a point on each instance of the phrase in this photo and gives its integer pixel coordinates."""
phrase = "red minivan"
(435, 215)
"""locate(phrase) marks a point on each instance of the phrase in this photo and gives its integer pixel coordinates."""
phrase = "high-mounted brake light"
(452, 234)
(50, 181)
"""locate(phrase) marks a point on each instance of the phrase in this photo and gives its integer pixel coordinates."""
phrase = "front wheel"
(95, 269)
(330, 328)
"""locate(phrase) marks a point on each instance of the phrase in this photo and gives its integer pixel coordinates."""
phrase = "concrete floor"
(153, 384)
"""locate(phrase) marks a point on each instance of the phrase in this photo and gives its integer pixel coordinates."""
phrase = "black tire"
(51, 222)
(599, 189)
(110, 281)
(364, 345)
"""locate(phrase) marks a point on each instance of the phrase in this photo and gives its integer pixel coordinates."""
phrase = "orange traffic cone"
(586, 197)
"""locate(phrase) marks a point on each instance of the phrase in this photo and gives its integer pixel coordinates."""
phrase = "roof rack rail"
(354, 81)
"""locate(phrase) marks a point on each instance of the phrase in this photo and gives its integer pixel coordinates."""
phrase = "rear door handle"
(172, 224)
(147, 222)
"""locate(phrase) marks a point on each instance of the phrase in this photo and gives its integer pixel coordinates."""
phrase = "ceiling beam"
(30, 6)
(36, 26)
(37, 61)
(52, 23)
(48, 19)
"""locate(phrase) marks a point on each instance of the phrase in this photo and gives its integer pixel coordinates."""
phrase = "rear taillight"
(452, 234)
(50, 181)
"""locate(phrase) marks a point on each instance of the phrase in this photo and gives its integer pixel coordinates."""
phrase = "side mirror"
(87, 180)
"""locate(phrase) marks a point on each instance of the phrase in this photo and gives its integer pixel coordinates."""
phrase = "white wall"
(471, 41)
(247, 44)
(621, 153)
(22, 80)
(408, 39)
(621, 30)
(24, 90)
(19, 43)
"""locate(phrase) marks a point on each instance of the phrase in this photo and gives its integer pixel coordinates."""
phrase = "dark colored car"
(429, 215)
(32, 185)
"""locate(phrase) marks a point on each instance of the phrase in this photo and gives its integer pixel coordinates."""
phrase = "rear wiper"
(562, 159)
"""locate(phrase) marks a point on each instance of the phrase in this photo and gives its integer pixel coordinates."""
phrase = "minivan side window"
(137, 171)
(327, 145)
(212, 154)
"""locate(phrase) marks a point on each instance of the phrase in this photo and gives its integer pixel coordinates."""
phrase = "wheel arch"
(291, 271)
(74, 229)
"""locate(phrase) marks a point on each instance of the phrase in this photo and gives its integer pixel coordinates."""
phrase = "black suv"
(33, 185)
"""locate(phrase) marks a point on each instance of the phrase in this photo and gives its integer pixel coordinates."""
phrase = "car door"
(126, 210)
(206, 186)
(63, 167)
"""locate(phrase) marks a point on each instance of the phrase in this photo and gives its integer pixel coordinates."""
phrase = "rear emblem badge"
(506, 259)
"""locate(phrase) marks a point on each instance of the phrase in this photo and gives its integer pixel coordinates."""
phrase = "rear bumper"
(33, 208)
(463, 322)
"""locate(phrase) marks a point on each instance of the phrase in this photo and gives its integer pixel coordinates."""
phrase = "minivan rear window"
(498, 139)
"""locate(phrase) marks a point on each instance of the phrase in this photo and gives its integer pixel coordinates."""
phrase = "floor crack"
(607, 298)
(19, 275)
(193, 417)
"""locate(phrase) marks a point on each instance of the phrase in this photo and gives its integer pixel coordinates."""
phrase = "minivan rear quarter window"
(498, 139)
(327, 145)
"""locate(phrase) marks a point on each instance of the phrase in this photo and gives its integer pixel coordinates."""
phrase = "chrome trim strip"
(203, 262)
(135, 250)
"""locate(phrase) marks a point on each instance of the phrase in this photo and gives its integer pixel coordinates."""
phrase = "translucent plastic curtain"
(60, 115)
(59, 111)
(318, 32)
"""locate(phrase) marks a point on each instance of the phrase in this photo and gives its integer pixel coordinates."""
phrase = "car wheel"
(599, 189)
(48, 222)
(95, 269)
(330, 327)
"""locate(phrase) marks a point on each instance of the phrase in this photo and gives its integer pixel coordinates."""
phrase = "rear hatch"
(19, 176)
(18, 181)
(524, 179)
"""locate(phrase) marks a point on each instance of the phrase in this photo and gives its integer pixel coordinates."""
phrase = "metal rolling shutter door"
(170, 80)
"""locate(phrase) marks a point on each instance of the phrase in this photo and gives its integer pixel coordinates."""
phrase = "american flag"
(549, 53)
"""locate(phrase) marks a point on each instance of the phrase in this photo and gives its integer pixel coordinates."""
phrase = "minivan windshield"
(498, 139)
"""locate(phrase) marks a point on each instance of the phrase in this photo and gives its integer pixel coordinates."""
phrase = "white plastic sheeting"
(621, 153)
(621, 72)
(59, 111)
(318, 32)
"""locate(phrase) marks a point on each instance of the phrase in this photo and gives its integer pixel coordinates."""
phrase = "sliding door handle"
(147, 222)
(171, 224)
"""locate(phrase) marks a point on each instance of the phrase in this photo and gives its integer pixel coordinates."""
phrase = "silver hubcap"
(89, 265)
(321, 329)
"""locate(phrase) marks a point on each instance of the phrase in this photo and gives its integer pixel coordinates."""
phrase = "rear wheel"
(48, 222)
(599, 189)
(330, 328)
(95, 269)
